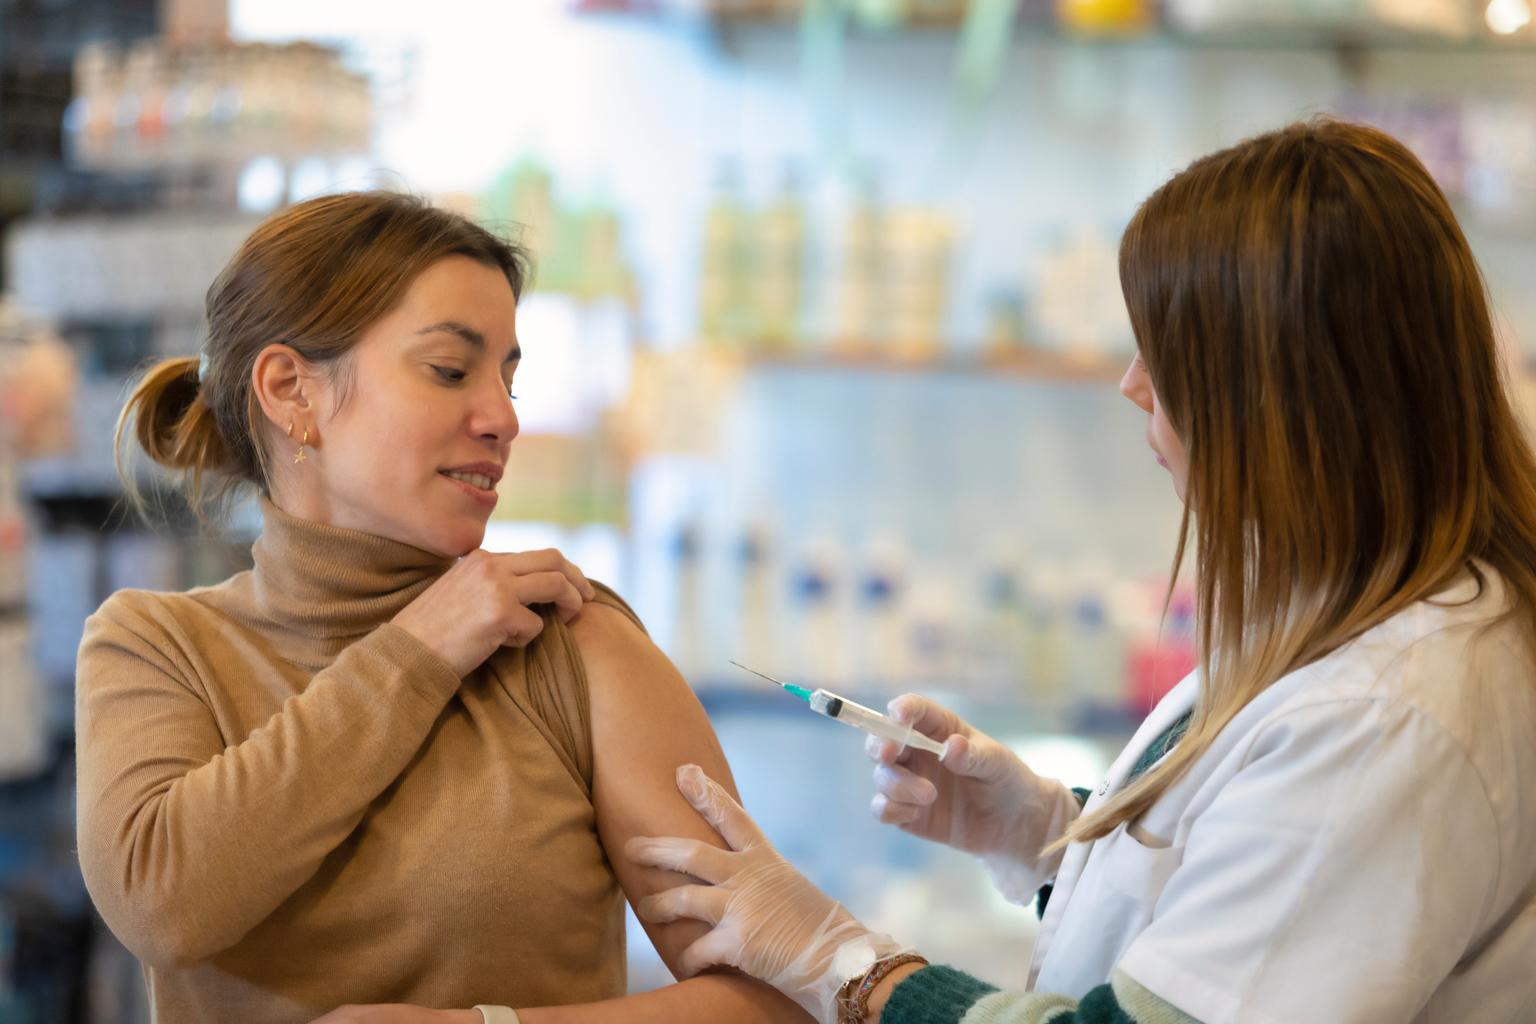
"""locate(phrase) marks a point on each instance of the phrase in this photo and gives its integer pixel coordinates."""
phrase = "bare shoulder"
(646, 722)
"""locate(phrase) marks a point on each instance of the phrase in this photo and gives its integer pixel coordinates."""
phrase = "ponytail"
(174, 427)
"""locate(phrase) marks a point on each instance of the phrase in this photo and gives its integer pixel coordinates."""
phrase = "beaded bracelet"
(853, 1004)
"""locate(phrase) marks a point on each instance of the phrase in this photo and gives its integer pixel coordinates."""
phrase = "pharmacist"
(1334, 819)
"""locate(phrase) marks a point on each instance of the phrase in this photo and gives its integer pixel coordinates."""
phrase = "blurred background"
(820, 359)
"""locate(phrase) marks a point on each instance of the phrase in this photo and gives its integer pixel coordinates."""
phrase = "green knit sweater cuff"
(934, 995)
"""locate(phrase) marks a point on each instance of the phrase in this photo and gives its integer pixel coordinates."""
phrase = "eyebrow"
(469, 335)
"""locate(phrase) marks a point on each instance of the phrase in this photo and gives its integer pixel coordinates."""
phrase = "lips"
(479, 480)
(484, 475)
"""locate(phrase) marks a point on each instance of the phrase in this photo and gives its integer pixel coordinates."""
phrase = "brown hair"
(314, 276)
(1317, 329)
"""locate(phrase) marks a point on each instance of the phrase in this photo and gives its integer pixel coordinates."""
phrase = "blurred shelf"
(57, 477)
(950, 18)
(930, 16)
(1038, 366)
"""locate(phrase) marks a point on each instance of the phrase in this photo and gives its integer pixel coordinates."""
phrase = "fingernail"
(690, 782)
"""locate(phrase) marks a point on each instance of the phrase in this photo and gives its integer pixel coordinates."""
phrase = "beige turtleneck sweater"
(287, 803)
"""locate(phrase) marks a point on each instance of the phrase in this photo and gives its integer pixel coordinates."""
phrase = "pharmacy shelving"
(1036, 366)
(1338, 36)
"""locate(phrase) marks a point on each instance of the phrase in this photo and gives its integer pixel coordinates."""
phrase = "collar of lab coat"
(1177, 703)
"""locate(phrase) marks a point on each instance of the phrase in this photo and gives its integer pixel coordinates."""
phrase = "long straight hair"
(1316, 327)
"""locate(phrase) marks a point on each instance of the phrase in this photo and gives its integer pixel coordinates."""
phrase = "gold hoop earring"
(290, 428)
(299, 455)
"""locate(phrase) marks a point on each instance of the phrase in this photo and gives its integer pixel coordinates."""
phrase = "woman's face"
(1137, 386)
(426, 394)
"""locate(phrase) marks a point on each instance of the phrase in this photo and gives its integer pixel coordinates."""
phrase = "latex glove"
(978, 796)
(769, 920)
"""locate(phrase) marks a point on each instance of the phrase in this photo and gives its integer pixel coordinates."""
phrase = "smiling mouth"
(479, 480)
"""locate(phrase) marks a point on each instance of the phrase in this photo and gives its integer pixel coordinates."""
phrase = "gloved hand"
(978, 796)
(769, 920)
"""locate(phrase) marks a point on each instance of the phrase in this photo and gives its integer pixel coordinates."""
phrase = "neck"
(331, 581)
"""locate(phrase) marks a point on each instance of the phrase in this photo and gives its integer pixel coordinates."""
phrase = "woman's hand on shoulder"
(398, 1013)
(487, 601)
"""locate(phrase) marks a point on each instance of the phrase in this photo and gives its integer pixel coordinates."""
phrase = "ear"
(285, 383)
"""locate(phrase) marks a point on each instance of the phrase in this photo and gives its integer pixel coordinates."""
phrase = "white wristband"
(498, 1014)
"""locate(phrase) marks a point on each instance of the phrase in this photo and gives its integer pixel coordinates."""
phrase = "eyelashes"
(451, 376)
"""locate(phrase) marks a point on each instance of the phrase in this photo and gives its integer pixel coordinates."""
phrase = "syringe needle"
(760, 675)
(798, 691)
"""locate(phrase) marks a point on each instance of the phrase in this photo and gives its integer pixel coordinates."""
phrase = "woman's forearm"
(706, 999)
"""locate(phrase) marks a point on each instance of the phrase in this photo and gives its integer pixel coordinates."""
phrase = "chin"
(453, 541)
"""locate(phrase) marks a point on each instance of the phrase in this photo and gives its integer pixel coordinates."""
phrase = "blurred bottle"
(602, 273)
(817, 633)
(879, 632)
(1095, 659)
(1001, 641)
(917, 283)
(1078, 308)
(859, 324)
(89, 83)
(726, 266)
(1046, 635)
(147, 76)
(1104, 17)
(879, 14)
(126, 146)
(228, 99)
(1005, 335)
(202, 90)
(780, 269)
(932, 623)
(757, 605)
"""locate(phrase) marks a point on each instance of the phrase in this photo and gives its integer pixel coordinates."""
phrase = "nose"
(1137, 385)
(494, 418)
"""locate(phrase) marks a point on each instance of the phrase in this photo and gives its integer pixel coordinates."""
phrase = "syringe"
(825, 702)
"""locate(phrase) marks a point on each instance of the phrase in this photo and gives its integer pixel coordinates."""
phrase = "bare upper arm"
(645, 722)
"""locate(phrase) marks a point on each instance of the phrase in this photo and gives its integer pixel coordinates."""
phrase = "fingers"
(903, 786)
(525, 563)
(548, 588)
(977, 757)
(718, 808)
(959, 756)
(699, 902)
(717, 947)
(924, 715)
(886, 751)
(889, 812)
(522, 627)
(688, 856)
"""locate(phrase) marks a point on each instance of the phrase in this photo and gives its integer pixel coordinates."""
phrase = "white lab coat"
(1359, 845)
